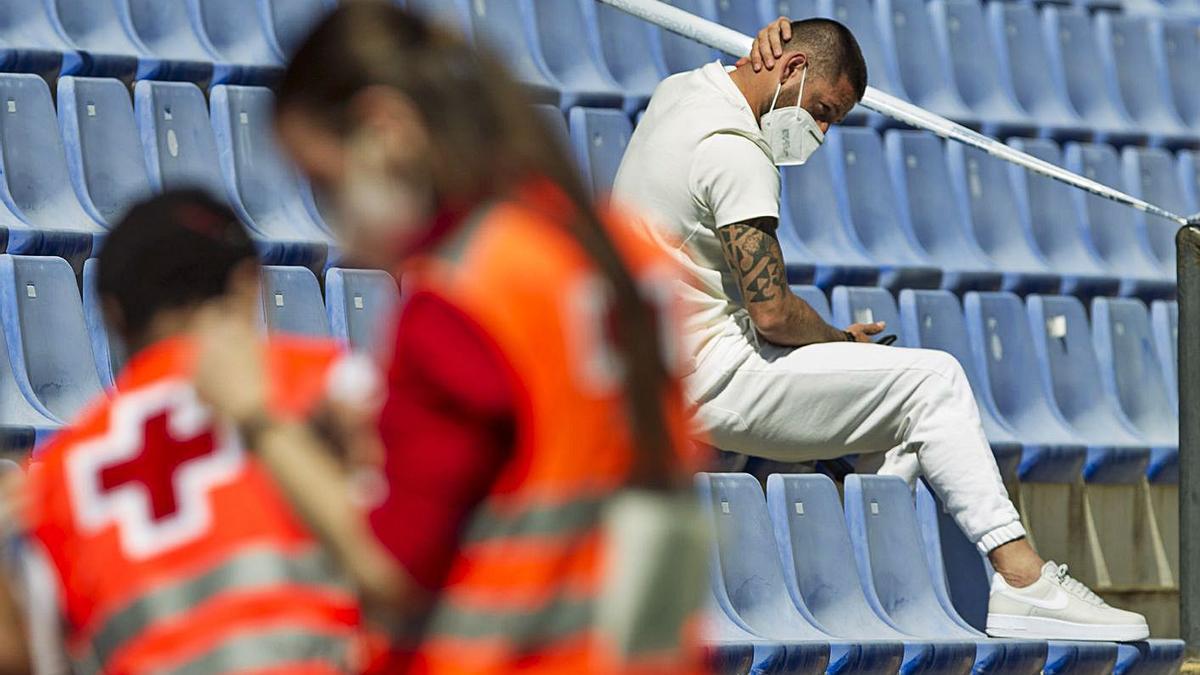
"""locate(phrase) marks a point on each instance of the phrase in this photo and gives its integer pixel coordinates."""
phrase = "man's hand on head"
(768, 45)
(862, 332)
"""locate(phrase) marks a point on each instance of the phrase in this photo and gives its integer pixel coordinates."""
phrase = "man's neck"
(747, 82)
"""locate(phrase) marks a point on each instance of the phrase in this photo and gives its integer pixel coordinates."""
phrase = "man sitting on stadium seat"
(770, 378)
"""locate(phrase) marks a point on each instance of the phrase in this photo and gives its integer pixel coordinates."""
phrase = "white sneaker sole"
(1010, 626)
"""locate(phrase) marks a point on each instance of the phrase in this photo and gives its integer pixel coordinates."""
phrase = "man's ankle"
(1017, 563)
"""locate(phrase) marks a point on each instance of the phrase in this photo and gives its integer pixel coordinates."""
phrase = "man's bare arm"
(753, 252)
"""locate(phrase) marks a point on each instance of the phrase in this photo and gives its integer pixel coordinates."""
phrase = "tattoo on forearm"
(753, 251)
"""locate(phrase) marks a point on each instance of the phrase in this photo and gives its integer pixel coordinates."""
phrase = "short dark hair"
(174, 250)
(834, 50)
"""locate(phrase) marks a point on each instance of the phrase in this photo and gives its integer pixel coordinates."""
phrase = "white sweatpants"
(828, 400)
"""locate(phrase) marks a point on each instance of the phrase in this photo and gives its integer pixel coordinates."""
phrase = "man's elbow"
(770, 321)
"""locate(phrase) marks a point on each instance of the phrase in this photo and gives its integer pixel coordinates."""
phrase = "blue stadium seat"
(1017, 39)
(288, 22)
(1070, 376)
(625, 43)
(809, 207)
(675, 53)
(577, 67)
(107, 347)
(961, 577)
(745, 16)
(975, 70)
(1164, 320)
(29, 43)
(814, 549)
(924, 71)
(101, 45)
(501, 26)
(1075, 59)
(453, 14)
(359, 302)
(292, 302)
(103, 149)
(858, 304)
(1132, 374)
(934, 320)
(792, 9)
(599, 138)
(896, 577)
(47, 336)
(749, 585)
(262, 187)
(1113, 228)
(731, 649)
(1151, 174)
(859, 17)
(22, 423)
(982, 185)
(1128, 59)
(234, 31)
(1189, 176)
(868, 201)
(1007, 369)
(1049, 215)
(1178, 48)
(168, 46)
(931, 213)
(177, 137)
(815, 297)
(35, 184)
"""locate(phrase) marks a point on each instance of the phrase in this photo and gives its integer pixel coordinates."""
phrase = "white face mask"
(791, 132)
(373, 206)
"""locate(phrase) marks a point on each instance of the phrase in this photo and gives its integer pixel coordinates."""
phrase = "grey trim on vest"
(571, 518)
(265, 649)
(524, 630)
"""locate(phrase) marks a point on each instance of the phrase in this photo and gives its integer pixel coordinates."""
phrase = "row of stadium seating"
(786, 599)
(1006, 68)
(906, 210)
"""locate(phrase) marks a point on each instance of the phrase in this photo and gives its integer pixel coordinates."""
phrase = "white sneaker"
(1058, 607)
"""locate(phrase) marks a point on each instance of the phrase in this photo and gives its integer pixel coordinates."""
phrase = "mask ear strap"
(778, 88)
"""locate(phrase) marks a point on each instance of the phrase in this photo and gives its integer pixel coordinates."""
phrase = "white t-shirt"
(697, 162)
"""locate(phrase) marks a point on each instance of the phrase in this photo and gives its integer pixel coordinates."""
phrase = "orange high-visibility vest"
(171, 547)
(521, 592)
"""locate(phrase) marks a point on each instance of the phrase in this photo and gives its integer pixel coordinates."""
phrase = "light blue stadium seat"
(676, 53)
(359, 303)
(1075, 60)
(1164, 320)
(924, 71)
(749, 584)
(934, 320)
(934, 217)
(1021, 51)
(288, 22)
(1151, 174)
(814, 550)
(975, 71)
(501, 26)
(44, 216)
(1049, 215)
(809, 206)
(1132, 374)
(1007, 368)
(29, 43)
(577, 66)
(177, 137)
(961, 578)
(107, 347)
(868, 201)
(746, 16)
(168, 46)
(859, 17)
(103, 149)
(1070, 376)
(1113, 228)
(234, 31)
(47, 336)
(453, 14)
(731, 649)
(982, 185)
(1128, 58)
(1178, 48)
(101, 45)
(262, 187)
(815, 297)
(865, 304)
(625, 43)
(22, 423)
(792, 9)
(599, 138)
(1189, 176)
(292, 302)
(891, 563)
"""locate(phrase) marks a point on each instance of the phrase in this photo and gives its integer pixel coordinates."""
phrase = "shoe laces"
(1076, 587)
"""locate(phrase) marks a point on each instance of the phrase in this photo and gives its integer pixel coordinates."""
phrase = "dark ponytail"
(480, 116)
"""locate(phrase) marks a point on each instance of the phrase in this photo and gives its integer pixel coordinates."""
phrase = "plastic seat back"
(107, 347)
(1141, 82)
(625, 43)
(47, 334)
(923, 69)
(1091, 90)
(177, 137)
(1151, 174)
(599, 138)
(859, 17)
(1179, 46)
(104, 153)
(810, 199)
(19, 418)
(1164, 320)
(1189, 174)
(359, 303)
(289, 21)
(1017, 38)
(167, 40)
(292, 302)
(677, 53)
(744, 16)
(95, 29)
(1131, 369)
(501, 26)
(235, 30)
(577, 66)
(30, 42)
(815, 297)
(866, 305)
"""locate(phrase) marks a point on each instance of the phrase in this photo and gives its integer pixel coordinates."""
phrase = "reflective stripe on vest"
(556, 620)
(249, 571)
(571, 518)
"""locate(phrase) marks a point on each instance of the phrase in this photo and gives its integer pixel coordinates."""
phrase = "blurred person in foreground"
(155, 540)
(533, 518)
